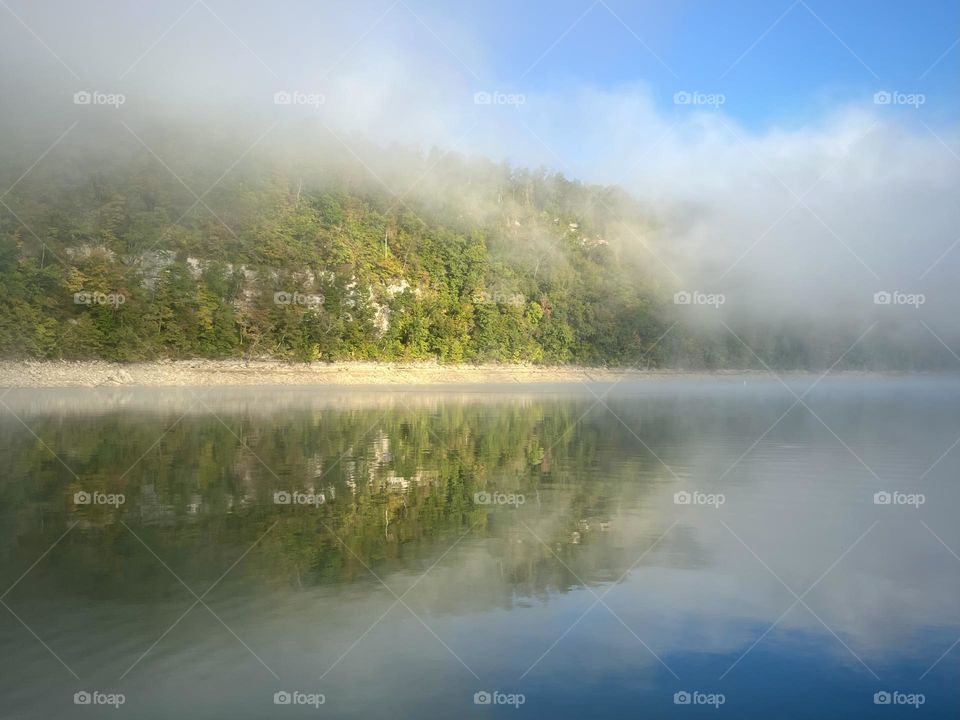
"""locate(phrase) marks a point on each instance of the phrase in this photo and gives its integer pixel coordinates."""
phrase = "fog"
(801, 222)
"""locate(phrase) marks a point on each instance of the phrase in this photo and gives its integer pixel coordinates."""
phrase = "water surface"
(587, 585)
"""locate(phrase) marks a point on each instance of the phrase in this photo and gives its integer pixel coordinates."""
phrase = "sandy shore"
(28, 374)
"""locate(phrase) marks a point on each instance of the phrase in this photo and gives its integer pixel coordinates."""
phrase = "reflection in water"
(400, 551)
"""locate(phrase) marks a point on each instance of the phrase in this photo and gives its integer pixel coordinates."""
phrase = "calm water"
(388, 586)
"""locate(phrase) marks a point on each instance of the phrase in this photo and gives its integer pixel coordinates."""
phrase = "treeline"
(489, 263)
(310, 252)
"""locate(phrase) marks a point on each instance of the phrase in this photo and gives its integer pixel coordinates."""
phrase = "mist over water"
(499, 521)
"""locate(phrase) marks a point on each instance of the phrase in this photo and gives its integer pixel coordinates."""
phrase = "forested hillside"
(315, 254)
(119, 260)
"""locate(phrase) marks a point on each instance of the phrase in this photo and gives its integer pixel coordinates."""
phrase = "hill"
(117, 258)
(313, 251)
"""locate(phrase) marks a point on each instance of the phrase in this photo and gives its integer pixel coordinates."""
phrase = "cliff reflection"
(392, 489)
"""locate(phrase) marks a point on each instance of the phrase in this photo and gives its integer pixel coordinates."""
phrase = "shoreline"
(182, 373)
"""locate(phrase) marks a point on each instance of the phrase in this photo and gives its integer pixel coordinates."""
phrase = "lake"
(708, 547)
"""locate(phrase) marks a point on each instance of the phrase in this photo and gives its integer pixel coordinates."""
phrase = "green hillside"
(116, 259)
(126, 252)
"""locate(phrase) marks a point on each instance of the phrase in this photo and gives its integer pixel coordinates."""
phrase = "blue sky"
(796, 71)
(779, 63)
